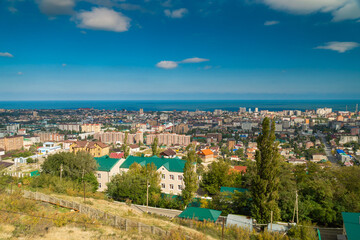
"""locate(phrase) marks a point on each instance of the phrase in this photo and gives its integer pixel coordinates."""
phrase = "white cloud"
(12, 9)
(340, 9)
(173, 64)
(340, 47)
(194, 60)
(167, 64)
(350, 10)
(207, 67)
(179, 13)
(269, 23)
(64, 64)
(20, 73)
(103, 19)
(6, 54)
(56, 7)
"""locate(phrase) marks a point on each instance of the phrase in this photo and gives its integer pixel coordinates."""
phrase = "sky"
(179, 49)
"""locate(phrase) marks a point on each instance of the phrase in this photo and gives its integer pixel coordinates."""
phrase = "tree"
(133, 183)
(217, 176)
(154, 147)
(265, 181)
(190, 177)
(72, 165)
(125, 148)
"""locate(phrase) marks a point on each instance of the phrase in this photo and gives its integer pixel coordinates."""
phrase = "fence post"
(126, 225)
(139, 227)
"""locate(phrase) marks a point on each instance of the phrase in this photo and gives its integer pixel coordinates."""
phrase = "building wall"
(119, 137)
(168, 139)
(104, 177)
(12, 143)
(91, 128)
(52, 137)
(69, 127)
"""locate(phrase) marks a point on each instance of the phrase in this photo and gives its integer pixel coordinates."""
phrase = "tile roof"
(171, 164)
(168, 152)
(116, 155)
(206, 152)
(200, 214)
(106, 163)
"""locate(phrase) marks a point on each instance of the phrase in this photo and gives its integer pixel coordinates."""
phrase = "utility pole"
(147, 195)
(61, 170)
(297, 208)
(83, 182)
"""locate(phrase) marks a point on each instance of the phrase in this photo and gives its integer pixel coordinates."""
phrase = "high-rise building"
(168, 139)
(119, 137)
(141, 112)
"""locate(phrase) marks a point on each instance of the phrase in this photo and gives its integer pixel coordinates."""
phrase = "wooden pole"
(83, 182)
(61, 170)
(147, 195)
(271, 220)
(297, 208)
(293, 219)
(223, 226)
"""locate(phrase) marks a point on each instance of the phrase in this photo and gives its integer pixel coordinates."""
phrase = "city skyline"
(157, 50)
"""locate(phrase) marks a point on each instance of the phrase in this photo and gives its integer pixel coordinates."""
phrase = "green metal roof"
(200, 214)
(171, 164)
(352, 225)
(232, 189)
(106, 163)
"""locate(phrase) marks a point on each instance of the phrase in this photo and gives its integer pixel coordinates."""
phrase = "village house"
(206, 155)
(96, 149)
(107, 168)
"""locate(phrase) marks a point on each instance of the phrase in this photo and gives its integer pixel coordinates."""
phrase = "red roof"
(240, 168)
(116, 155)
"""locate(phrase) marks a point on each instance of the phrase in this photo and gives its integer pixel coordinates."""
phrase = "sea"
(183, 105)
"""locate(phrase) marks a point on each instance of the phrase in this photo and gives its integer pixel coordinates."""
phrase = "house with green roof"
(351, 225)
(232, 189)
(107, 168)
(171, 171)
(200, 214)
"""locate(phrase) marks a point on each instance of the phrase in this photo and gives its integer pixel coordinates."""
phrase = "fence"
(111, 219)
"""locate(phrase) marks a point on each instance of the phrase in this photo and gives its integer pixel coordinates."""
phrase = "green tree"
(154, 147)
(217, 176)
(133, 183)
(265, 181)
(73, 165)
(190, 177)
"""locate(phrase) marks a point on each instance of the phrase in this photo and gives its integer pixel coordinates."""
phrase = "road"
(327, 149)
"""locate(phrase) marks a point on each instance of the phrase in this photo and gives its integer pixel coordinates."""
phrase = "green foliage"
(217, 176)
(23, 154)
(133, 183)
(154, 147)
(304, 231)
(190, 178)
(265, 181)
(73, 165)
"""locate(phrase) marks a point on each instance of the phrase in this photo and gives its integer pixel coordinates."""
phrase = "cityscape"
(180, 119)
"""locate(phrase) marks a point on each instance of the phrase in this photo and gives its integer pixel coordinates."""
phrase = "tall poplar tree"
(265, 182)
(190, 177)
(154, 147)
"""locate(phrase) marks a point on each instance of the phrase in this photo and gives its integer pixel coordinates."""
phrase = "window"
(99, 185)
(171, 177)
(163, 185)
(99, 175)
(163, 176)
(180, 177)
(180, 187)
(171, 186)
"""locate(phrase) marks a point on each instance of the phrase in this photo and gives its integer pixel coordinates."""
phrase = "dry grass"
(126, 211)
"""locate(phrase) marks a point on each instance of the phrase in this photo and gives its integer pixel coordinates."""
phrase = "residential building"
(206, 155)
(168, 139)
(96, 149)
(169, 153)
(50, 137)
(171, 171)
(91, 127)
(348, 139)
(108, 168)
(181, 128)
(119, 137)
(12, 143)
(69, 127)
(351, 225)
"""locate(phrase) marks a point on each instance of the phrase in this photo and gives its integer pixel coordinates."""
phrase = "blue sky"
(179, 49)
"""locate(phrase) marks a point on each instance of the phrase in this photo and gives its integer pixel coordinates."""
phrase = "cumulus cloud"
(194, 60)
(6, 54)
(173, 64)
(167, 64)
(56, 7)
(340, 9)
(269, 23)
(103, 19)
(340, 47)
(179, 13)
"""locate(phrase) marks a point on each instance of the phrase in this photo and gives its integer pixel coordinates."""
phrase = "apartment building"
(50, 137)
(107, 168)
(91, 127)
(11, 143)
(119, 137)
(171, 171)
(168, 139)
(69, 127)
